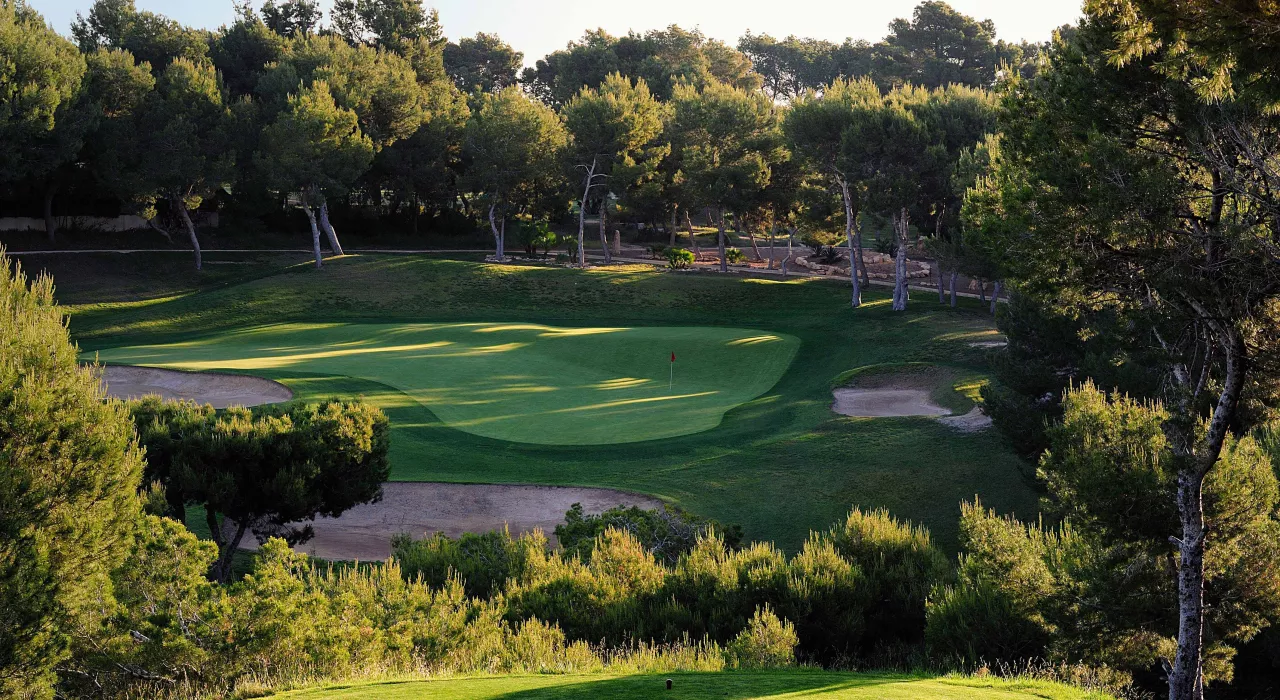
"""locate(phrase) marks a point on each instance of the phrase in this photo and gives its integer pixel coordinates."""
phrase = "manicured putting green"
(515, 381)
(810, 685)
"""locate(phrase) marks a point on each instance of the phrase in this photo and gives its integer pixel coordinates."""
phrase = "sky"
(538, 27)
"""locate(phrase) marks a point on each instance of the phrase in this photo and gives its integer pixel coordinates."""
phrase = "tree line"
(375, 110)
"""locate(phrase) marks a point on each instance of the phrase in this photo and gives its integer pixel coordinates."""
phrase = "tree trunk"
(942, 298)
(954, 275)
(226, 554)
(617, 241)
(900, 291)
(672, 233)
(604, 235)
(786, 262)
(182, 212)
(724, 260)
(582, 218)
(693, 240)
(982, 291)
(50, 223)
(497, 235)
(158, 229)
(855, 249)
(754, 248)
(334, 246)
(773, 244)
(413, 215)
(315, 234)
(1186, 677)
(995, 297)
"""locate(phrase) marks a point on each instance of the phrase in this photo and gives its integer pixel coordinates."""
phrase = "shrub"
(767, 642)
(70, 469)
(484, 562)
(817, 241)
(657, 250)
(735, 256)
(977, 623)
(900, 566)
(666, 533)
(679, 258)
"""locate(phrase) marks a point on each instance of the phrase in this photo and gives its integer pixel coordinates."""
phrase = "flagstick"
(672, 378)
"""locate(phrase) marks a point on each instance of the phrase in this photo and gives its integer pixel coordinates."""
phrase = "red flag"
(673, 356)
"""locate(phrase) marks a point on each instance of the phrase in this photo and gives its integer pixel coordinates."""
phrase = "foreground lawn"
(780, 464)
(522, 382)
(811, 685)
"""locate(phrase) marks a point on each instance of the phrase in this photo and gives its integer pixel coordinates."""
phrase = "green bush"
(484, 562)
(767, 642)
(679, 258)
(657, 250)
(973, 624)
(70, 469)
(666, 533)
(734, 256)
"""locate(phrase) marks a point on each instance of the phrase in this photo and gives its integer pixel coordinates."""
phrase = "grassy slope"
(689, 686)
(529, 383)
(780, 465)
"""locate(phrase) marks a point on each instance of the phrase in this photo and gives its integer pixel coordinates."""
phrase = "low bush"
(679, 258)
(734, 256)
(767, 642)
(667, 533)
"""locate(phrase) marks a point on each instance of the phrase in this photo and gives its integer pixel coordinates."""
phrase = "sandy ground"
(884, 403)
(971, 422)
(365, 532)
(220, 390)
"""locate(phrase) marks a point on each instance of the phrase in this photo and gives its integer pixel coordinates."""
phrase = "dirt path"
(220, 390)
(365, 532)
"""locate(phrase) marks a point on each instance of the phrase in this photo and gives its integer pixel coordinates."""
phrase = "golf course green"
(522, 382)
(765, 452)
(734, 685)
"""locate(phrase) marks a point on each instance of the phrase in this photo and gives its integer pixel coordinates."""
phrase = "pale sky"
(538, 27)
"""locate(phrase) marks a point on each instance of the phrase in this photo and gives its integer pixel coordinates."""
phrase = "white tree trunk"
(995, 297)
(942, 296)
(499, 255)
(1186, 677)
(786, 262)
(604, 235)
(334, 246)
(900, 291)
(672, 233)
(954, 275)
(693, 240)
(315, 233)
(180, 208)
(855, 249)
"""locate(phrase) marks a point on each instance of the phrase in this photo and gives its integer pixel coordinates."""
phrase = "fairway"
(811, 685)
(519, 382)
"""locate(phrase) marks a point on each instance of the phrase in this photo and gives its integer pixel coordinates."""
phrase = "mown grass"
(780, 464)
(521, 382)
(734, 685)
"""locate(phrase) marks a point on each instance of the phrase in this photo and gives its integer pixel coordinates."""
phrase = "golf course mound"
(219, 390)
(518, 382)
(911, 389)
(419, 509)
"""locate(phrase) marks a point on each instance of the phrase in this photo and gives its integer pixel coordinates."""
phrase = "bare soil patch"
(419, 509)
(884, 403)
(219, 390)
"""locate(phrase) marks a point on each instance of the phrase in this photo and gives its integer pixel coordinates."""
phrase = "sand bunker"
(971, 422)
(884, 403)
(365, 532)
(220, 390)
(887, 403)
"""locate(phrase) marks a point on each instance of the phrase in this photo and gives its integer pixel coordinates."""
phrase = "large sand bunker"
(365, 532)
(219, 390)
(885, 403)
